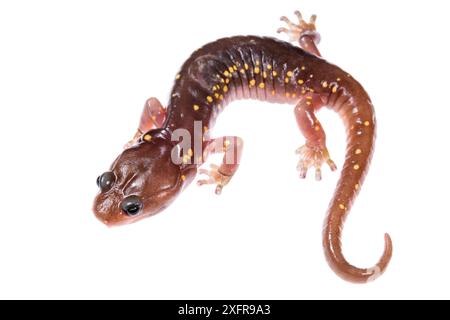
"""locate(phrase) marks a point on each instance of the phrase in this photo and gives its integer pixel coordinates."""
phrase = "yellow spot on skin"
(338, 79)
(195, 107)
(222, 80)
(334, 90)
(325, 84)
(209, 99)
(269, 67)
(205, 129)
(183, 177)
(214, 88)
(309, 98)
(190, 152)
(252, 82)
(216, 95)
(303, 91)
(274, 73)
(246, 66)
(300, 81)
(262, 85)
(356, 186)
(289, 74)
(294, 95)
(264, 75)
(257, 62)
(227, 81)
(186, 158)
(234, 68)
(147, 137)
(366, 123)
(311, 90)
(273, 92)
(358, 151)
(226, 143)
(230, 69)
(303, 68)
(226, 73)
(308, 103)
(342, 207)
(219, 107)
(286, 80)
(242, 71)
(257, 70)
(288, 94)
(225, 88)
(178, 76)
(311, 76)
(317, 128)
(221, 97)
(356, 167)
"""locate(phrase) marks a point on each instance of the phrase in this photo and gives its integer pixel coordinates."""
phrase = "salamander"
(172, 143)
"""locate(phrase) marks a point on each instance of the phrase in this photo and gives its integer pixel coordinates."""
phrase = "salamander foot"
(303, 28)
(214, 177)
(313, 157)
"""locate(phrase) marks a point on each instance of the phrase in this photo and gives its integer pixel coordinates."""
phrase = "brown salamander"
(172, 143)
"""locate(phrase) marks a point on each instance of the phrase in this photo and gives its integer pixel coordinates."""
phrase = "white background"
(73, 79)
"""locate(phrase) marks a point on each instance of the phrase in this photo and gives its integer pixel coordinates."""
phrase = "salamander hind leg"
(153, 116)
(304, 33)
(314, 153)
(231, 147)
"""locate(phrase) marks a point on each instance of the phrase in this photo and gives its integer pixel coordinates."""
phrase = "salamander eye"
(105, 181)
(131, 205)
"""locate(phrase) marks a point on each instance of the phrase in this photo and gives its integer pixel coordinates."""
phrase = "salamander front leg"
(304, 32)
(221, 175)
(153, 116)
(314, 153)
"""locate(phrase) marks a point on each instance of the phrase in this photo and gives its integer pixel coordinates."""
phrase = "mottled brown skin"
(249, 67)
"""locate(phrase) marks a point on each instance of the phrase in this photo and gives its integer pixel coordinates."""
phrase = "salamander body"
(172, 143)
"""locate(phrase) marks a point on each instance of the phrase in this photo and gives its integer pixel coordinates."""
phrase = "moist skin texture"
(249, 67)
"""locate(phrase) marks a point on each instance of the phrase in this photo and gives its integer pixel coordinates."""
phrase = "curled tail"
(356, 110)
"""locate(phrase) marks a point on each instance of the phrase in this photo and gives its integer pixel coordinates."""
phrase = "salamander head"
(141, 182)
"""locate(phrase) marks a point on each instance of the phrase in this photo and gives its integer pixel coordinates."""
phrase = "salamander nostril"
(131, 205)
